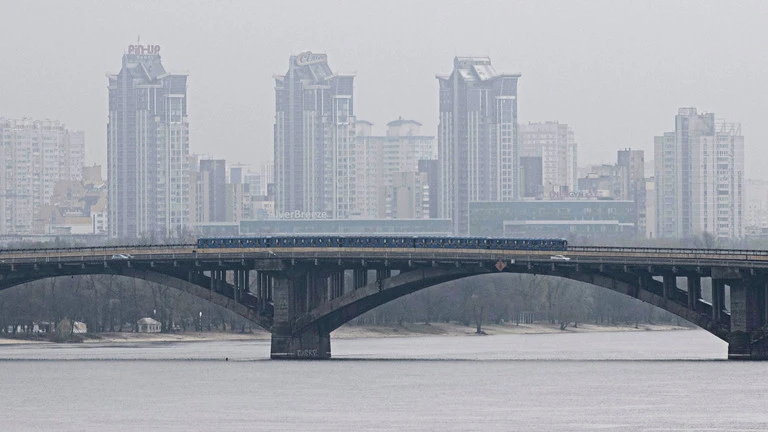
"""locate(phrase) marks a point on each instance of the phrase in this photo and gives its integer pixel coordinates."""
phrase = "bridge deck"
(574, 255)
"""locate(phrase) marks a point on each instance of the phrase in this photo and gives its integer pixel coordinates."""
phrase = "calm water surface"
(639, 381)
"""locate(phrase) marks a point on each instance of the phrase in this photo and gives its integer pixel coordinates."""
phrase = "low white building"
(148, 325)
(79, 327)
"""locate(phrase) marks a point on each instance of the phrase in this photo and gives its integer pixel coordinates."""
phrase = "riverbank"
(350, 332)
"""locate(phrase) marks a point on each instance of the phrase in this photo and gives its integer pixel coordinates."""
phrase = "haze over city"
(500, 214)
(615, 71)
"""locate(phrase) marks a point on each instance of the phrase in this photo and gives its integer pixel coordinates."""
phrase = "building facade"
(581, 220)
(699, 175)
(624, 180)
(756, 206)
(35, 155)
(477, 138)
(314, 166)
(390, 165)
(555, 144)
(632, 162)
(147, 148)
(212, 178)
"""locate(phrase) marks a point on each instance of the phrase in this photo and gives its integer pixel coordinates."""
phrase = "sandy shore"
(347, 332)
(454, 329)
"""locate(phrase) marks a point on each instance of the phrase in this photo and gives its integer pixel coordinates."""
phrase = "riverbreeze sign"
(296, 214)
(143, 49)
(307, 58)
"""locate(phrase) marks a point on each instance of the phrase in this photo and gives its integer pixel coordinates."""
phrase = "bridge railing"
(146, 251)
(657, 250)
(94, 249)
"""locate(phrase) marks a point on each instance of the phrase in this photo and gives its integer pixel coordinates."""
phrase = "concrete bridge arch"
(337, 312)
(305, 334)
(198, 285)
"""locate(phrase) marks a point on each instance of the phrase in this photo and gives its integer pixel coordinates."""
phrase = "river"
(630, 381)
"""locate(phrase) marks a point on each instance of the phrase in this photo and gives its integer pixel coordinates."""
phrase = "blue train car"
(419, 242)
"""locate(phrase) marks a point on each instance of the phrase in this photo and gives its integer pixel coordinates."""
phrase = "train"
(399, 242)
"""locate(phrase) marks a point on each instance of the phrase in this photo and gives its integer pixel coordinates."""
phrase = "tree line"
(109, 303)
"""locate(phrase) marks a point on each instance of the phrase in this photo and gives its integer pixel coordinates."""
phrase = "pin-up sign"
(143, 49)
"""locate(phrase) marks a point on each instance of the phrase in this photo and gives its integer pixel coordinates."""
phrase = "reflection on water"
(510, 382)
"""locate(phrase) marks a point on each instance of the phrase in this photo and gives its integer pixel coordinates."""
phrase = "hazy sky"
(616, 71)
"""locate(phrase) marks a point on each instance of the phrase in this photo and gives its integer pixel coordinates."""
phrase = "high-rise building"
(314, 167)
(554, 143)
(650, 207)
(699, 173)
(382, 159)
(624, 180)
(406, 197)
(430, 168)
(147, 148)
(532, 179)
(213, 181)
(756, 205)
(34, 156)
(606, 181)
(477, 138)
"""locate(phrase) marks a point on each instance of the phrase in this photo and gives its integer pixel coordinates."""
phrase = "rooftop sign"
(143, 49)
(307, 58)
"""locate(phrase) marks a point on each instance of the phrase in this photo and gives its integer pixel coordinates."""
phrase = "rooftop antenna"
(138, 40)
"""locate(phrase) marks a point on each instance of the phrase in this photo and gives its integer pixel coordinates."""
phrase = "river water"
(632, 381)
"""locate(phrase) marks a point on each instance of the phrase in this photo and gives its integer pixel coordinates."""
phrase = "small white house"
(79, 327)
(148, 325)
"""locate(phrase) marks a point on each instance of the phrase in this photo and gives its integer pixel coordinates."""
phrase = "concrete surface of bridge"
(302, 295)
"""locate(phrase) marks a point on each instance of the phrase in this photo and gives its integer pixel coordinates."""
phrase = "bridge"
(302, 294)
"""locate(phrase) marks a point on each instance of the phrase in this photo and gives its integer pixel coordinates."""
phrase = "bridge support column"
(245, 280)
(240, 283)
(360, 278)
(336, 281)
(694, 291)
(316, 289)
(217, 276)
(382, 274)
(747, 339)
(670, 285)
(311, 342)
(718, 298)
(644, 283)
(764, 322)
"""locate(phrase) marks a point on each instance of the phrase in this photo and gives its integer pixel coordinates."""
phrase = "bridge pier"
(748, 339)
(290, 295)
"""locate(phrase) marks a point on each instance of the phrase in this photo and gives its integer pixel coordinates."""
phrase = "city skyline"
(627, 88)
